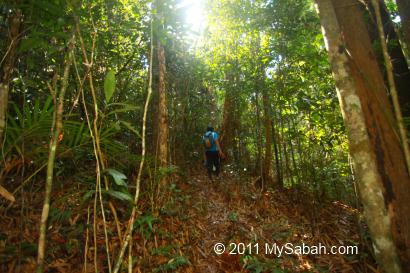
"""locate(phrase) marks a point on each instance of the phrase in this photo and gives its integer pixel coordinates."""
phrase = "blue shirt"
(213, 148)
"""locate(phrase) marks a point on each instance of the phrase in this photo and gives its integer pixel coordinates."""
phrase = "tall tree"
(404, 11)
(7, 66)
(268, 134)
(400, 68)
(229, 109)
(162, 93)
(380, 123)
(357, 108)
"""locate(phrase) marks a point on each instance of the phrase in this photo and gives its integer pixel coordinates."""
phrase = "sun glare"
(195, 17)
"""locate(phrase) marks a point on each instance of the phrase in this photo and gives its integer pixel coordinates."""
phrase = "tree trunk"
(128, 234)
(381, 124)
(404, 11)
(268, 137)
(228, 123)
(162, 100)
(7, 68)
(162, 110)
(56, 131)
(292, 151)
(399, 62)
(362, 113)
(258, 137)
(236, 124)
(277, 154)
(400, 68)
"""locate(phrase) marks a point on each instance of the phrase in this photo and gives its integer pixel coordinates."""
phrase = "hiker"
(213, 151)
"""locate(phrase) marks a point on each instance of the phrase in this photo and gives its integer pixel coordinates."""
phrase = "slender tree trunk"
(370, 181)
(292, 150)
(285, 161)
(277, 154)
(392, 84)
(173, 149)
(400, 67)
(162, 110)
(258, 165)
(228, 130)
(162, 102)
(401, 73)
(268, 137)
(404, 11)
(237, 126)
(130, 228)
(56, 130)
(7, 67)
(279, 140)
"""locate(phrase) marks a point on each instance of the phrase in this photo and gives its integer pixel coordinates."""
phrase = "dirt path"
(198, 215)
(230, 211)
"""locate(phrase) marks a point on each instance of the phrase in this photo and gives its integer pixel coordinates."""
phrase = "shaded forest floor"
(198, 214)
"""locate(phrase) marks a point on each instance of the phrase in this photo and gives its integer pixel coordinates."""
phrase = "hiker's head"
(209, 129)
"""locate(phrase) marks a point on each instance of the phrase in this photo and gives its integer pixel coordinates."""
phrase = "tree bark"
(258, 165)
(392, 84)
(396, 53)
(356, 105)
(162, 102)
(7, 68)
(278, 159)
(380, 121)
(400, 67)
(404, 11)
(268, 137)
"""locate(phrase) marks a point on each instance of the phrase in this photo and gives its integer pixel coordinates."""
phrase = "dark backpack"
(209, 140)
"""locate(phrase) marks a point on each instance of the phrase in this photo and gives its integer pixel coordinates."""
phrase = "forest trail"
(232, 210)
(198, 214)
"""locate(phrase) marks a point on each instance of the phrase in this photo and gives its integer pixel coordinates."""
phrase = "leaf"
(120, 195)
(109, 85)
(130, 127)
(87, 195)
(146, 219)
(127, 108)
(118, 177)
(6, 194)
(30, 44)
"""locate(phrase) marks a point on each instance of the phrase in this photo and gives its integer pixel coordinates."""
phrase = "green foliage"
(250, 47)
(392, 8)
(164, 250)
(256, 265)
(58, 216)
(120, 195)
(119, 178)
(109, 85)
(28, 249)
(233, 217)
(276, 48)
(173, 264)
(144, 225)
(29, 126)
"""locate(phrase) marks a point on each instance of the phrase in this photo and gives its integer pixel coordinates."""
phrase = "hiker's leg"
(209, 163)
(217, 164)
